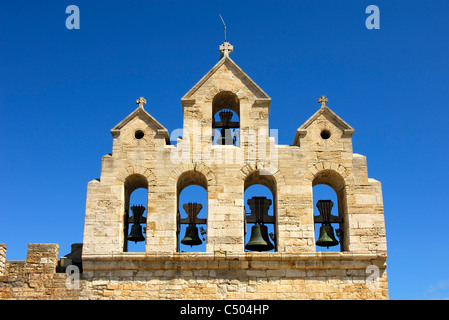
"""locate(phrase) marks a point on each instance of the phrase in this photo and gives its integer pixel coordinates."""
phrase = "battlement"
(36, 277)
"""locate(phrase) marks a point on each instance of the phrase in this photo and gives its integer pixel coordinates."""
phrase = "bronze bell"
(259, 239)
(191, 237)
(136, 233)
(327, 238)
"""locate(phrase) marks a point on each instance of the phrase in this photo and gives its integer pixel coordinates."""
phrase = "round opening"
(325, 134)
(139, 134)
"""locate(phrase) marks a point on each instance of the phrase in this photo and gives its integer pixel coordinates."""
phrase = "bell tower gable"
(225, 98)
(140, 122)
(324, 130)
(226, 75)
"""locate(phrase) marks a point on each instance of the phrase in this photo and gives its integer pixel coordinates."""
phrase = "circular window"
(325, 134)
(139, 134)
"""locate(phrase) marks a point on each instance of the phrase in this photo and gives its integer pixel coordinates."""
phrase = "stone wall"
(36, 277)
(219, 276)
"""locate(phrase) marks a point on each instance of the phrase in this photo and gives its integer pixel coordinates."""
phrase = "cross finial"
(226, 48)
(323, 100)
(141, 102)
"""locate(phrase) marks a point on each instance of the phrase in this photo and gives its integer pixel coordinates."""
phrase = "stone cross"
(323, 100)
(226, 48)
(141, 102)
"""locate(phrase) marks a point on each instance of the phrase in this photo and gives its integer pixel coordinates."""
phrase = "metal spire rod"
(224, 24)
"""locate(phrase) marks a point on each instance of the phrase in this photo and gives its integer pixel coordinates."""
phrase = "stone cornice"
(276, 260)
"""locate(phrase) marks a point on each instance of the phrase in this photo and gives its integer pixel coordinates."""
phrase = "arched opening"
(260, 209)
(136, 204)
(329, 203)
(226, 119)
(191, 212)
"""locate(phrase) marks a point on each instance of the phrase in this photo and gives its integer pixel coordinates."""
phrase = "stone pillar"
(42, 257)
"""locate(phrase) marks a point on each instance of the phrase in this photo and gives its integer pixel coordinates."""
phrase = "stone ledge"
(304, 261)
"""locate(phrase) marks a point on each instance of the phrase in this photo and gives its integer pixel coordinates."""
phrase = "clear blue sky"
(61, 91)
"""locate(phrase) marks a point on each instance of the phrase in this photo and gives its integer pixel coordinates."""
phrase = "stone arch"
(338, 178)
(233, 88)
(329, 166)
(225, 118)
(131, 179)
(262, 174)
(195, 167)
(264, 169)
(185, 176)
(226, 100)
(136, 170)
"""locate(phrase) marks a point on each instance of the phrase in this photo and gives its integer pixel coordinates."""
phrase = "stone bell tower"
(226, 148)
